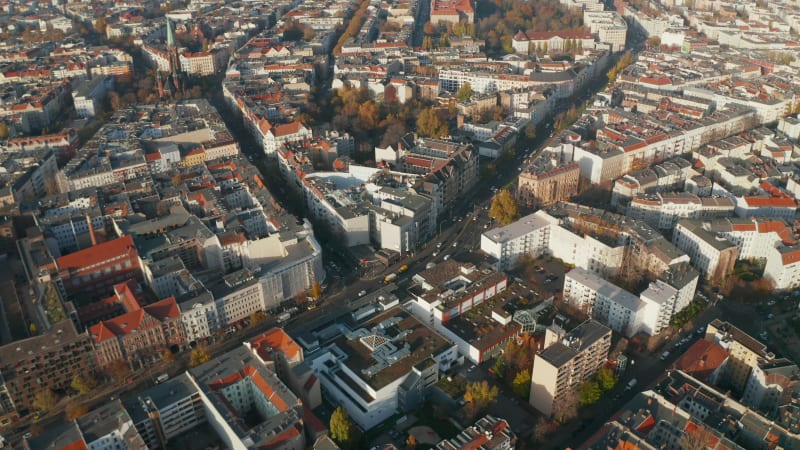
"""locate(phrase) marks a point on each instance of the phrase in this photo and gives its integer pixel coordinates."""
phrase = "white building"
(89, 93)
(382, 367)
(624, 312)
(609, 27)
(529, 235)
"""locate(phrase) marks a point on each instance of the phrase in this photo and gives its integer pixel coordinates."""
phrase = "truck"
(390, 278)
(283, 317)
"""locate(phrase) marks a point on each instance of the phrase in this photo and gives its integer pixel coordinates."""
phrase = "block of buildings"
(220, 394)
(108, 426)
(568, 359)
(382, 366)
(47, 361)
(489, 432)
(547, 180)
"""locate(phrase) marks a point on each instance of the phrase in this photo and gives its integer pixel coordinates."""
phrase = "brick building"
(139, 336)
(98, 268)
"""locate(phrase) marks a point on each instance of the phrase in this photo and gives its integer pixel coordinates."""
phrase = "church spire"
(170, 37)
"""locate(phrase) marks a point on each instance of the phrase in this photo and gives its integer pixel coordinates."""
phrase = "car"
(455, 244)
(439, 245)
(665, 355)
(27, 435)
(362, 293)
(435, 254)
(471, 368)
(701, 331)
(771, 303)
(446, 257)
(771, 316)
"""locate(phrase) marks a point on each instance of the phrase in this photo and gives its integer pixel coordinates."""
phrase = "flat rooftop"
(403, 330)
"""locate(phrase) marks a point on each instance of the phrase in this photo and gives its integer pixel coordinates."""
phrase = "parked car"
(665, 355)
(362, 293)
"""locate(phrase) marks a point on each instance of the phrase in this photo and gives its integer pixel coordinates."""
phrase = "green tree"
(522, 383)
(45, 400)
(589, 392)
(606, 378)
(199, 355)
(504, 207)
(429, 124)
(464, 92)
(479, 396)
(499, 367)
(4, 132)
(341, 428)
(83, 383)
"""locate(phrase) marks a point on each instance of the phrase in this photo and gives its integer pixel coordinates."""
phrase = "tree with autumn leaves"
(504, 207)
(479, 396)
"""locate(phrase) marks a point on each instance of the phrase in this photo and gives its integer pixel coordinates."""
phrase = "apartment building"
(88, 95)
(663, 210)
(530, 235)
(488, 433)
(611, 305)
(109, 426)
(711, 254)
(140, 336)
(547, 181)
(745, 352)
(525, 42)
(567, 360)
(275, 347)
(46, 361)
(609, 27)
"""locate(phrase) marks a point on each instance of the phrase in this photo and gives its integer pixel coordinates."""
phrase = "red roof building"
(98, 268)
(140, 336)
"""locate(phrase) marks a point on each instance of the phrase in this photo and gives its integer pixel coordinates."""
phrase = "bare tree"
(696, 439)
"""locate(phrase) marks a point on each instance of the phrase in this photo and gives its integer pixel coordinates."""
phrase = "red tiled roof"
(275, 339)
(286, 129)
(164, 309)
(790, 257)
(313, 421)
(97, 254)
(766, 202)
(702, 359)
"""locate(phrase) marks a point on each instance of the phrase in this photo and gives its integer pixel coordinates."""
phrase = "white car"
(362, 293)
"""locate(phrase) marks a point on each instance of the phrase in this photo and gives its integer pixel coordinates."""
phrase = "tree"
(589, 392)
(566, 408)
(4, 132)
(429, 29)
(368, 115)
(75, 410)
(32, 329)
(257, 318)
(530, 131)
(341, 428)
(542, 429)
(499, 368)
(118, 370)
(654, 41)
(83, 383)
(697, 439)
(522, 383)
(100, 25)
(316, 291)
(45, 400)
(479, 396)
(464, 92)
(167, 355)
(199, 355)
(606, 378)
(309, 34)
(429, 124)
(504, 207)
